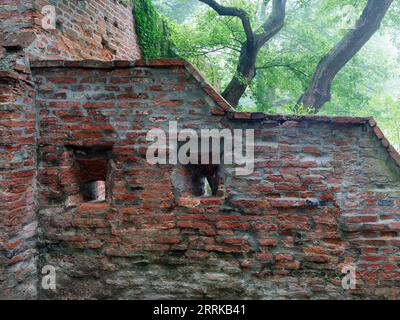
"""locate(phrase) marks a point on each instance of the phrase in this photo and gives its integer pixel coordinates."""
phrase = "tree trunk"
(246, 71)
(246, 68)
(319, 90)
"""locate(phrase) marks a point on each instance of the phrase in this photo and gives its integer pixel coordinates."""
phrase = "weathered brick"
(311, 205)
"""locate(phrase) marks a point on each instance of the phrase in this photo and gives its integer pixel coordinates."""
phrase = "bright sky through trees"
(368, 85)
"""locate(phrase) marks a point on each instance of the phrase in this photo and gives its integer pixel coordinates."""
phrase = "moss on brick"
(152, 31)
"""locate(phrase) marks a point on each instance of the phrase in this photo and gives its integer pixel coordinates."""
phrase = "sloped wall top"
(226, 108)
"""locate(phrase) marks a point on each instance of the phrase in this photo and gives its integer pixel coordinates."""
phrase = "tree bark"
(233, 12)
(246, 67)
(246, 71)
(319, 89)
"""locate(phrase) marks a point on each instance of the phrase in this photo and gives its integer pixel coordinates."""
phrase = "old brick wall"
(17, 154)
(101, 30)
(325, 192)
(86, 29)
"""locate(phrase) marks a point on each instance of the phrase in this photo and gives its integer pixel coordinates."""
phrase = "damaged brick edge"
(226, 108)
(150, 63)
(385, 143)
(368, 121)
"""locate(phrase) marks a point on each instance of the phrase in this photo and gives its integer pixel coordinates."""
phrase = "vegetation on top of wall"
(152, 31)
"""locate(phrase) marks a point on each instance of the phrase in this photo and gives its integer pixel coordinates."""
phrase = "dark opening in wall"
(200, 180)
(93, 167)
(94, 191)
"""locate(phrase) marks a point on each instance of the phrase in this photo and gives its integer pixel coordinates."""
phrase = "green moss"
(152, 31)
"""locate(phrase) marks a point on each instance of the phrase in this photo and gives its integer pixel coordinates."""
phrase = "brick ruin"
(324, 193)
(84, 30)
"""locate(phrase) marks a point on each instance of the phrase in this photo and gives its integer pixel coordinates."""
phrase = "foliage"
(366, 86)
(152, 31)
(386, 112)
(298, 109)
(179, 10)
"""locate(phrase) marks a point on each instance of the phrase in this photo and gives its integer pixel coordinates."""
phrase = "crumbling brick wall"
(17, 154)
(86, 29)
(324, 193)
(101, 30)
(83, 29)
(17, 193)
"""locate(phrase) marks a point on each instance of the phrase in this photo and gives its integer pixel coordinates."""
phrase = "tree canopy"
(335, 57)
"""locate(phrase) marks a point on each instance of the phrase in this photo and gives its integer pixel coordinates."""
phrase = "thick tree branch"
(273, 24)
(289, 66)
(319, 89)
(234, 12)
(246, 67)
(200, 52)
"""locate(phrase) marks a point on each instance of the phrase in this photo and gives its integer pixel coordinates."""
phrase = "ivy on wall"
(152, 31)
